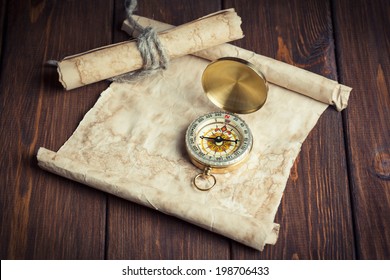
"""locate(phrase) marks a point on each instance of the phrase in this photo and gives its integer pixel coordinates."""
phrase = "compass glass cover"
(218, 140)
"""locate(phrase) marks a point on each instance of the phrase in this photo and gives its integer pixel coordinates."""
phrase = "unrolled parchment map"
(131, 144)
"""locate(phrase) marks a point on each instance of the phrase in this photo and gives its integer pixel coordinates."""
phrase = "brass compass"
(221, 141)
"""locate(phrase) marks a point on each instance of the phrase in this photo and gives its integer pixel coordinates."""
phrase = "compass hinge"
(207, 171)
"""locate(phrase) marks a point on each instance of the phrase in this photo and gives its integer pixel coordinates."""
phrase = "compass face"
(219, 140)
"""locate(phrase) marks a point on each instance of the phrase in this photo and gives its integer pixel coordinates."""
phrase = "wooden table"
(337, 200)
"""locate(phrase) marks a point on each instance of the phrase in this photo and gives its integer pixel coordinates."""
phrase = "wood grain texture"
(315, 215)
(134, 231)
(3, 5)
(337, 200)
(44, 216)
(363, 48)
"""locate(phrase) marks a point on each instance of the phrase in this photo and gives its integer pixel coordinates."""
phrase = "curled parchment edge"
(276, 72)
(216, 220)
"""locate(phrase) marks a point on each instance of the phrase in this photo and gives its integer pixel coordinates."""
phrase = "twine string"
(152, 52)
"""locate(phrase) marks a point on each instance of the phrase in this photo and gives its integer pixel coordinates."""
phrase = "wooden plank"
(314, 214)
(44, 216)
(3, 5)
(363, 48)
(134, 231)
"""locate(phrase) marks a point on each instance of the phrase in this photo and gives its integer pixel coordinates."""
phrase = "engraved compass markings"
(218, 139)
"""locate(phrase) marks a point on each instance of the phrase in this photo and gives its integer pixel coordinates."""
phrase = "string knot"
(152, 52)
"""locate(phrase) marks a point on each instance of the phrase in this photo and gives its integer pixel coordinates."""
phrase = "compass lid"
(235, 85)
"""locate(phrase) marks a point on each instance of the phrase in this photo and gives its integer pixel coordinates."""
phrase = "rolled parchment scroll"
(113, 60)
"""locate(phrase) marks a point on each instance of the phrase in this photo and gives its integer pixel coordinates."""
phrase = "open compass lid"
(235, 85)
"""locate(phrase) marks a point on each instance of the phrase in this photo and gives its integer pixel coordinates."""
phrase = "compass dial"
(218, 140)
